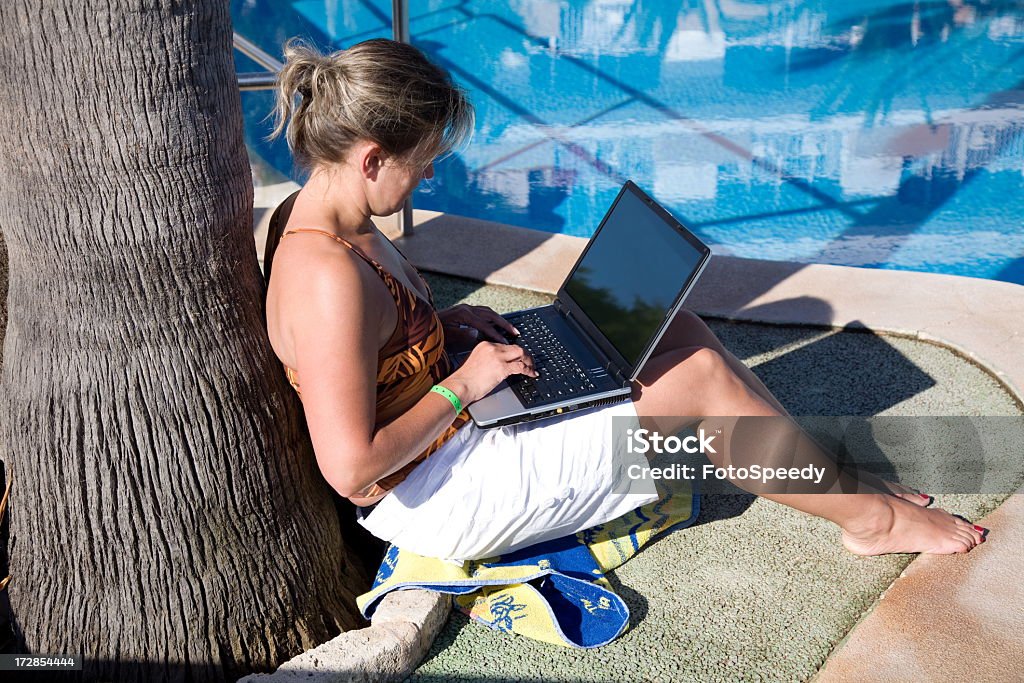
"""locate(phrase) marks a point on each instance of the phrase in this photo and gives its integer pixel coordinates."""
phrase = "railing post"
(400, 30)
(257, 81)
(400, 20)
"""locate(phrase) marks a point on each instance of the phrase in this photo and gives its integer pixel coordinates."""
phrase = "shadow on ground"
(753, 590)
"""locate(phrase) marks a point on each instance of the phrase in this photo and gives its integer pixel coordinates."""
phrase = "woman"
(354, 325)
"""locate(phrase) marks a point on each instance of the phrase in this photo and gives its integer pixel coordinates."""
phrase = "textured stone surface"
(403, 627)
(756, 591)
(946, 620)
(753, 591)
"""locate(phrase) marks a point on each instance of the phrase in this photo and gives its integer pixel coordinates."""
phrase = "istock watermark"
(643, 441)
(827, 454)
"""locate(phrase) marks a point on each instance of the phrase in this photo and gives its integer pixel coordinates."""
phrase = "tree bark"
(167, 516)
(3, 295)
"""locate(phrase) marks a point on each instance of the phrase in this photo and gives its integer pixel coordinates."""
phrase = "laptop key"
(559, 375)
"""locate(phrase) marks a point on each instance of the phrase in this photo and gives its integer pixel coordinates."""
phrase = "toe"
(916, 498)
(976, 533)
(965, 537)
(967, 543)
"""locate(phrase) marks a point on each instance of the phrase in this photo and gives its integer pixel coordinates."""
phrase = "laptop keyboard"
(560, 376)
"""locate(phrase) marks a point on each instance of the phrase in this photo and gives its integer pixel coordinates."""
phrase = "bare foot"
(899, 490)
(893, 525)
(906, 493)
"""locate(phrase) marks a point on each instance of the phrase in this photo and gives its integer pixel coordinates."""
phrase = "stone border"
(945, 619)
(401, 631)
(982, 320)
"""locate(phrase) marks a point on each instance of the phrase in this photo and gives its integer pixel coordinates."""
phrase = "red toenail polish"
(925, 496)
(979, 529)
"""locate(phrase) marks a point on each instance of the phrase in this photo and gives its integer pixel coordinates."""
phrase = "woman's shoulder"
(319, 284)
(309, 252)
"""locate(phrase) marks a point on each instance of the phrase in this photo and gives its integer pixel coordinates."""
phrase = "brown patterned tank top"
(410, 362)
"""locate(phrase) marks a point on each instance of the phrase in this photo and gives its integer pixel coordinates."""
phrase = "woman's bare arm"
(336, 329)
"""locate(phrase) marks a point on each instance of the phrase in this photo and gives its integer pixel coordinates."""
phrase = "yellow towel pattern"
(554, 591)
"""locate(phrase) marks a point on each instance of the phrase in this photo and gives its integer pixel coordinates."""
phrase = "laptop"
(607, 318)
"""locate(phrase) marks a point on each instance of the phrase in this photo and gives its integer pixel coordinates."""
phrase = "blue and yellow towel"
(554, 591)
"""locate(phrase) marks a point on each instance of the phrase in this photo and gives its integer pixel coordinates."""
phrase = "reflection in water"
(886, 134)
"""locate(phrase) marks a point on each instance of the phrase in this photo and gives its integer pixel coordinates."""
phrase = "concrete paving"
(753, 591)
(946, 621)
(982, 319)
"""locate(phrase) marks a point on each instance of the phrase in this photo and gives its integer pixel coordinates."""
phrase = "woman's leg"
(688, 329)
(698, 381)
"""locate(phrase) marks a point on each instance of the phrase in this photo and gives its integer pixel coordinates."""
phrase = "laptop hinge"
(614, 372)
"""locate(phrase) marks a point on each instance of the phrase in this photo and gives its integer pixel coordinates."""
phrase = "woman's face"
(396, 181)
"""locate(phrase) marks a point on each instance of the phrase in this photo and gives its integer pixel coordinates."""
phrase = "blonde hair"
(378, 90)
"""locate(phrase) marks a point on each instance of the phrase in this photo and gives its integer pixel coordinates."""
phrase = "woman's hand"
(464, 323)
(487, 366)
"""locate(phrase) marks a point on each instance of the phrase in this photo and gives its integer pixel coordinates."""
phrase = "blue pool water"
(878, 133)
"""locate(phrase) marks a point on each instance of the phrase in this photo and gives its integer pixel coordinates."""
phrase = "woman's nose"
(429, 172)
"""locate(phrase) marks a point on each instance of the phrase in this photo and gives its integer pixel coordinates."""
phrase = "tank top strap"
(397, 290)
(388, 278)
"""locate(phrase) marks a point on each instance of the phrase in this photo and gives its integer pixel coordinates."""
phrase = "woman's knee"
(711, 367)
(706, 361)
(688, 329)
(698, 367)
(688, 381)
(690, 320)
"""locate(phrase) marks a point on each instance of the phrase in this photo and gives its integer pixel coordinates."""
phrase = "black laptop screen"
(631, 274)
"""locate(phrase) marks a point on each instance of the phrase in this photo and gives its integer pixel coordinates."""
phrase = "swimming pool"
(879, 133)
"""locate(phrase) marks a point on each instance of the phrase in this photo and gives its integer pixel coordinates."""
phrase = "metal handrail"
(267, 80)
(260, 80)
(256, 81)
(400, 32)
(400, 20)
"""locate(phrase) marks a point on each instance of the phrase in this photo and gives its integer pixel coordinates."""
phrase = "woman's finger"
(494, 318)
(491, 330)
(510, 353)
(524, 367)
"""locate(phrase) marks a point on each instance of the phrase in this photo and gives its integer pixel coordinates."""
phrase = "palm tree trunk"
(167, 516)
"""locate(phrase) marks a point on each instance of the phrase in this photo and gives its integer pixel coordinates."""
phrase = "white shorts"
(491, 491)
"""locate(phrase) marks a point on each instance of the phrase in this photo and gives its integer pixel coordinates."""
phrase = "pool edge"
(980, 319)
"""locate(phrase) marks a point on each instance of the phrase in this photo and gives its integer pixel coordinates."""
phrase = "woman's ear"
(371, 159)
